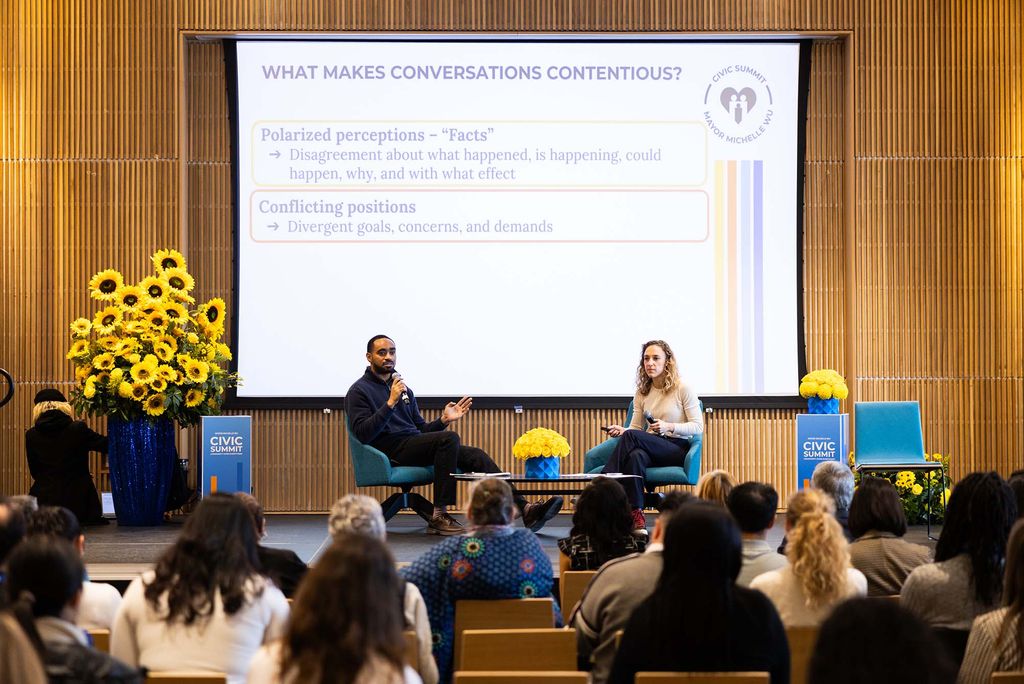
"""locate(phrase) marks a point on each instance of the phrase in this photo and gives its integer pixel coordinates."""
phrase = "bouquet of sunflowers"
(150, 351)
(913, 488)
(540, 442)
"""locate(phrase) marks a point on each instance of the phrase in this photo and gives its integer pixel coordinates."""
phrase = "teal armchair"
(687, 474)
(373, 469)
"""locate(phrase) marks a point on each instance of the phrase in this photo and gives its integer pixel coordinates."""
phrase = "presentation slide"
(518, 215)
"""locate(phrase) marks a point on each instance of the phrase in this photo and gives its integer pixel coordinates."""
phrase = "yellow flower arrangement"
(149, 351)
(540, 442)
(824, 384)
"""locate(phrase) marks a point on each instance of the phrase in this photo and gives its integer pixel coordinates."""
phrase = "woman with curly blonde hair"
(666, 415)
(819, 575)
(714, 486)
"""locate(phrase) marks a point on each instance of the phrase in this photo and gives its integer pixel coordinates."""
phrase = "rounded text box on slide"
(450, 154)
(328, 216)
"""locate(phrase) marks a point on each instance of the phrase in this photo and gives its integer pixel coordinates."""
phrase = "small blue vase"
(816, 405)
(543, 467)
(141, 455)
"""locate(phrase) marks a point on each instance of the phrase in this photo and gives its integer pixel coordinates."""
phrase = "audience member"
(878, 524)
(614, 592)
(966, 578)
(753, 506)
(45, 586)
(205, 607)
(836, 480)
(602, 526)
(715, 486)
(12, 530)
(57, 448)
(1016, 483)
(19, 662)
(996, 643)
(818, 575)
(346, 622)
(492, 560)
(867, 640)
(698, 619)
(283, 566)
(100, 600)
(359, 514)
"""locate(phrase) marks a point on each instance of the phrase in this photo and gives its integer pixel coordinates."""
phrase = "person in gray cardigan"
(753, 506)
(617, 588)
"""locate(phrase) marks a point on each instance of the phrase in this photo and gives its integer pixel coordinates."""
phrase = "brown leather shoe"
(444, 525)
(536, 514)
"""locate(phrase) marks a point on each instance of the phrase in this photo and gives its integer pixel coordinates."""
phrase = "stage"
(118, 554)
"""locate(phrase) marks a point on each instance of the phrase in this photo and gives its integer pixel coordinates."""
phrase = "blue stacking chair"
(687, 474)
(888, 438)
(374, 469)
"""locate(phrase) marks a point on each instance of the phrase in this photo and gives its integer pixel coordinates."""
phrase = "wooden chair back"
(521, 650)
(801, 648)
(186, 678)
(521, 677)
(572, 584)
(1015, 677)
(412, 649)
(702, 678)
(100, 639)
(500, 614)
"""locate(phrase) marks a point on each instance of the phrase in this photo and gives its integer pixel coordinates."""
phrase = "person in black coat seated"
(282, 566)
(57, 447)
(698, 619)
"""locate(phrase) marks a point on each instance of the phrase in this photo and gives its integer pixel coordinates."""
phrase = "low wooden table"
(569, 483)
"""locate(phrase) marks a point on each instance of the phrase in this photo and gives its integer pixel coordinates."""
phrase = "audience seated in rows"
(836, 481)
(205, 607)
(753, 506)
(100, 601)
(614, 592)
(282, 566)
(818, 575)
(714, 486)
(996, 643)
(44, 583)
(346, 623)
(966, 578)
(19, 662)
(698, 619)
(877, 641)
(492, 560)
(602, 526)
(359, 514)
(878, 524)
(12, 531)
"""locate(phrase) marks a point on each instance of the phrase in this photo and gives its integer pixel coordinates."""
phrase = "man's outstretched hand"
(454, 410)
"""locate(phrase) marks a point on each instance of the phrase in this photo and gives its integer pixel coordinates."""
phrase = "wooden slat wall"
(932, 266)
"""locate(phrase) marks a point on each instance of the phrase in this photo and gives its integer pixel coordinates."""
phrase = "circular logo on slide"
(738, 104)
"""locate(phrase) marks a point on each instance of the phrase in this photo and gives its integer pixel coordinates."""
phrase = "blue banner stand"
(820, 437)
(226, 454)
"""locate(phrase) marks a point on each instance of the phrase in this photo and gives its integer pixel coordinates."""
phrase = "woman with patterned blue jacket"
(492, 560)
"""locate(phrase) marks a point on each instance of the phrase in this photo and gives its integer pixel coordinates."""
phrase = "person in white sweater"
(818, 576)
(359, 514)
(666, 414)
(346, 624)
(205, 607)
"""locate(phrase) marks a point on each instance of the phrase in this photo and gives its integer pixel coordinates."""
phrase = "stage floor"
(118, 554)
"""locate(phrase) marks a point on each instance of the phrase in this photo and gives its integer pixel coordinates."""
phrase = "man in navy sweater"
(383, 413)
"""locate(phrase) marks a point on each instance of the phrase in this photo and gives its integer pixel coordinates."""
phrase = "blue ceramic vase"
(816, 405)
(543, 467)
(141, 455)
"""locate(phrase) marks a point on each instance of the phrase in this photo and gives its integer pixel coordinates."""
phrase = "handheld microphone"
(405, 395)
(649, 416)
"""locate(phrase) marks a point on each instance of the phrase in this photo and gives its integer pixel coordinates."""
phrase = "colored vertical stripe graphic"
(758, 342)
(739, 275)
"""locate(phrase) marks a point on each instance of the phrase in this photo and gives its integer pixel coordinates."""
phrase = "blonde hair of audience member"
(817, 550)
(347, 611)
(490, 503)
(19, 663)
(714, 486)
(357, 514)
